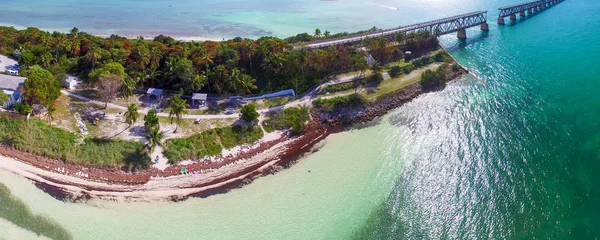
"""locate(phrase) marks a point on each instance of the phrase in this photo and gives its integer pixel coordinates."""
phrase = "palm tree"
(317, 33)
(248, 49)
(155, 137)
(376, 70)
(242, 83)
(177, 108)
(143, 57)
(93, 55)
(45, 59)
(74, 32)
(127, 88)
(303, 60)
(152, 74)
(51, 111)
(327, 34)
(155, 56)
(132, 115)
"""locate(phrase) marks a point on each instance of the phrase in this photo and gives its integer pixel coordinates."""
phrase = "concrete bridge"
(530, 7)
(437, 27)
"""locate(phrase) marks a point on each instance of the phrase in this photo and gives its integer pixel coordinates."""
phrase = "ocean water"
(517, 157)
(217, 19)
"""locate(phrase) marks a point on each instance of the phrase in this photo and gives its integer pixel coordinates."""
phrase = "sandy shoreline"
(156, 185)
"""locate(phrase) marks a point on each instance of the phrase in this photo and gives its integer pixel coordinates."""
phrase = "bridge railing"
(385, 32)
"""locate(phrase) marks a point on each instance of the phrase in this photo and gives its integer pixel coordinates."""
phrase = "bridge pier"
(530, 11)
(461, 34)
(501, 21)
(513, 17)
(485, 27)
(522, 14)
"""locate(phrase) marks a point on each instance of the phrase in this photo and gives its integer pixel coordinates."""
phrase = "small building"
(70, 82)
(155, 92)
(200, 97)
(13, 87)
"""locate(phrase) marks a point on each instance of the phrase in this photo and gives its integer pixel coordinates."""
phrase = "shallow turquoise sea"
(517, 157)
(217, 19)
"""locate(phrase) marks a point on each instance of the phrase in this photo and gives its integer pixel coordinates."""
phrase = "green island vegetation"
(428, 79)
(294, 118)
(17, 212)
(117, 66)
(37, 137)
(210, 143)
(236, 66)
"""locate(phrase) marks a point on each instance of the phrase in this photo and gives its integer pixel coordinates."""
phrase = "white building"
(12, 86)
(71, 82)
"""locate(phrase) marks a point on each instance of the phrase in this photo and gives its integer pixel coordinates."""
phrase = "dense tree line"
(236, 66)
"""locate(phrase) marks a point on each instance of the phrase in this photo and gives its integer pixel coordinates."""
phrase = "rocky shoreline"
(73, 182)
(380, 107)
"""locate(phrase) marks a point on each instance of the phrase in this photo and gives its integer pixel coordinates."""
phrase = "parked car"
(229, 111)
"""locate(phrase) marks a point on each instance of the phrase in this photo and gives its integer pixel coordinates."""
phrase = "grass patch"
(34, 136)
(17, 212)
(341, 87)
(275, 102)
(294, 118)
(352, 100)
(389, 86)
(210, 143)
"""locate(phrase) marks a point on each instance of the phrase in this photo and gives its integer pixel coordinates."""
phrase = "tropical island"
(157, 119)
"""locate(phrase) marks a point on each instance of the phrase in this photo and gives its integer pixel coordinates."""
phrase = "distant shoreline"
(181, 38)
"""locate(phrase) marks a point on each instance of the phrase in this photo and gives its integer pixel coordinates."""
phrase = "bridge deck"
(517, 8)
(518, 5)
(413, 27)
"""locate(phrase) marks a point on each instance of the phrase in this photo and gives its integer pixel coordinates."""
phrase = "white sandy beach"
(157, 189)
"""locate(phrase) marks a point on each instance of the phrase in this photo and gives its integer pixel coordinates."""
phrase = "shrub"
(249, 113)
(441, 56)
(294, 118)
(455, 67)
(395, 71)
(431, 78)
(421, 62)
(352, 100)
(23, 108)
(341, 87)
(408, 68)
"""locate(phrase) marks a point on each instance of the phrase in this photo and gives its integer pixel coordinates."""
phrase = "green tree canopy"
(151, 120)
(41, 87)
(113, 68)
(249, 113)
(4, 98)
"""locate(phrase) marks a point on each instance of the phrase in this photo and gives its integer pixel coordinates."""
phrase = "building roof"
(11, 82)
(155, 91)
(71, 79)
(199, 96)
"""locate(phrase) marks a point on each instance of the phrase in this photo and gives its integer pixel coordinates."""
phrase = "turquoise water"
(216, 19)
(516, 158)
